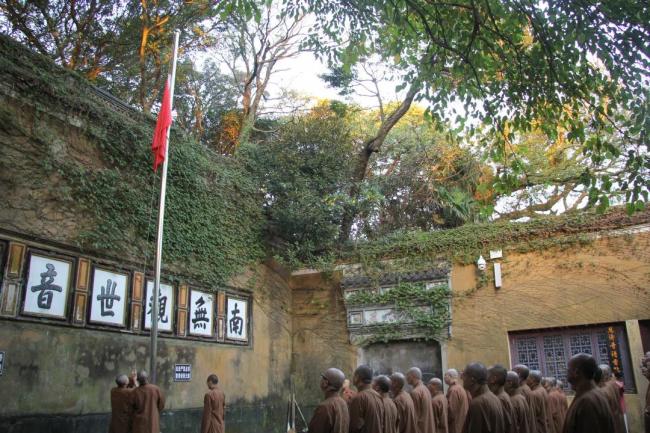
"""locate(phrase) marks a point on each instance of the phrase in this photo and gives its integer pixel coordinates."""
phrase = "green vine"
(213, 221)
(424, 310)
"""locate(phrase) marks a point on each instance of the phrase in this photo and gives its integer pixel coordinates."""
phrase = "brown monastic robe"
(423, 409)
(485, 414)
(589, 413)
(367, 412)
(557, 406)
(508, 411)
(538, 401)
(439, 404)
(405, 413)
(214, 406)
(390, 416)
(458, 404)
(331, 415)
(611, 392)
(521, 413)
(148, 402)
(121, 410)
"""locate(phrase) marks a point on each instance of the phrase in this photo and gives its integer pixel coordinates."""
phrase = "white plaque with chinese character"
(237, 319)
(108, 298)
(201, 308)
(48, 282)
(165, 307)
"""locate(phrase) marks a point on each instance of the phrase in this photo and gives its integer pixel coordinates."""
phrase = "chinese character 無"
(200, 319)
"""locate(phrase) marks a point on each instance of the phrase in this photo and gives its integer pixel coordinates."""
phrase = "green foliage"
(303, 170)
(425, 311)
(415, 250)
(213, 223)
(515, 65)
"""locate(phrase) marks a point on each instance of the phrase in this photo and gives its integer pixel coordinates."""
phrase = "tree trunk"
(369, 147)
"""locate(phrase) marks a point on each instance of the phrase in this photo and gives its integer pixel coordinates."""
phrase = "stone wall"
(62, 375)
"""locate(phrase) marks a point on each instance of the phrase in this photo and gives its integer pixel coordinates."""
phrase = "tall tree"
(511, 63)
(251, 47)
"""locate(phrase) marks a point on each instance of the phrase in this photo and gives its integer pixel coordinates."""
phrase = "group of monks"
(136, 405)
(490, 400)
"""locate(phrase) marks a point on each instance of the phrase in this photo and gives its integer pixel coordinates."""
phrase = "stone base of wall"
(239, 419)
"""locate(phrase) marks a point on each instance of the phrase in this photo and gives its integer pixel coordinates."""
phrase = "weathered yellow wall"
(320, 337)
(54, 369)
(605, 281)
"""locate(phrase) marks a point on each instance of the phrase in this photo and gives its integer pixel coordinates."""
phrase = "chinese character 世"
(107, 297)
(46, 287)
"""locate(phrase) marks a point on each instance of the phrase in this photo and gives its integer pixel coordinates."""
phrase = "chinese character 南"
(200, 319)
(107, 297)
(162, 306)
(46, 287)
(236, 322)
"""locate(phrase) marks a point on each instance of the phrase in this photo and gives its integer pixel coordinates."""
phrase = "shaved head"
(397, 382)
(581, 368)
(143, 377)
(364, 374)
(451, 376)
(334, 378)
(435, 385)
(522, 371)
(382, 383)
(477, 371)
(534, 378)
(512, 382)
(606, 371)
(498, 374)
(122, 380)
(414, 376)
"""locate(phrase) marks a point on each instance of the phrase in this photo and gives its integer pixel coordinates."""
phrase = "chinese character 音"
(46, 288)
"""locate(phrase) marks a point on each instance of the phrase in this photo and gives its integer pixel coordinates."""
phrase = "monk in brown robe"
(405, 409)
(331, 415)
(485, 414)
(367, 407)
(608, 387)
(496, 382)
(421, 400)
(381, 384)
(121, 410)
(521, 413)
(557, 406)
(457, 402)
(589, 411)
(214, 407)
(538, 401)
(148, 402)
(439, 404)
(523, 373)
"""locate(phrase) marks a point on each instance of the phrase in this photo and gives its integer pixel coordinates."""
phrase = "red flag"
(159, 143)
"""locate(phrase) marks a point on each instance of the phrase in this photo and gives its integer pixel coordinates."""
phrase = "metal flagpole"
(161, 218)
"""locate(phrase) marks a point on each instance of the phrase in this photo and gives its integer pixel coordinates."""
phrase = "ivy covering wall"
(213, 221)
